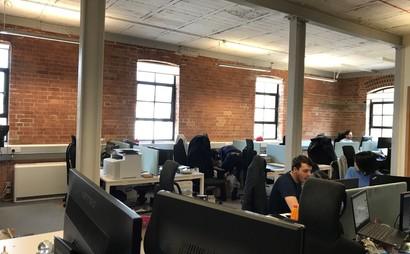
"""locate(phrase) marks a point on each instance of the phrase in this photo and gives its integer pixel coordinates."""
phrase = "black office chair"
(320, 208)
(254, 198)
(349, 153)
(167, 177)
(70, 155)
(180, 153)
(200, 156)
(248, 153)
(321, 150)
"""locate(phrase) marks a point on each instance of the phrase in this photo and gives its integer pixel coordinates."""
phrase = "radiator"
(35, 181)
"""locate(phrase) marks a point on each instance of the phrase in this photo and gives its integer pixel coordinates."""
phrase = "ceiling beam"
(324, 20)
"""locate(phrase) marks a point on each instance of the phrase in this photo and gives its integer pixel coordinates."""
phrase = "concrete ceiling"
(229, 28)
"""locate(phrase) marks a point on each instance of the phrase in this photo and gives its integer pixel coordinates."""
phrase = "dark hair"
(298, 160)
(366, 162)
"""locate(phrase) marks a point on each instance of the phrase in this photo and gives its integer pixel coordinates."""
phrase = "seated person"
(286, 190)
(365, 167)
(345, 136)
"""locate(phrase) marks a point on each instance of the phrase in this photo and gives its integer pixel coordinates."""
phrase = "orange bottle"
(294, 213)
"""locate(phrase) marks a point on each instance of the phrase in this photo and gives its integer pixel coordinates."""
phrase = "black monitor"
(97, 223)
(350, 183)
(383, 142)
(405, 212)
(384, 179)
(364, 139)
(4, 129)
(163, 154)
(181, 224)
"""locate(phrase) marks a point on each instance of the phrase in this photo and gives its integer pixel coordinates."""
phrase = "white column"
(90, 81)
(401, 83)
(296, 69)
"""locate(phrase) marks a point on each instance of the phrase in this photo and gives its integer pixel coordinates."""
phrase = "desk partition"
(384, 205)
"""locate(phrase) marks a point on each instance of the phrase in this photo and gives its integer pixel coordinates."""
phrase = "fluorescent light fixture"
(241, 67)
(321, 78)
(48, 38)
(245, 48)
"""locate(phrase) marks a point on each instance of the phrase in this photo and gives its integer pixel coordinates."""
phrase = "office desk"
(27, 244)
(155, 179)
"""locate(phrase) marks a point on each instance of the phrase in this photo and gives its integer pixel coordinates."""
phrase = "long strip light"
(321, 78)
(241, 67)
(48, 38)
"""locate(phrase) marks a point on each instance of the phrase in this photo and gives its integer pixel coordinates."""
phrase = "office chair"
(70, 155)
(254, 198)
(349, 153)
(248, 153)
(320, 208)
(180, 153)
(167, 177)
(321, 150)
(200, 156)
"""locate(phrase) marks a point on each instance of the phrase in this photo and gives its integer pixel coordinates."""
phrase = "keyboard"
(383, 233)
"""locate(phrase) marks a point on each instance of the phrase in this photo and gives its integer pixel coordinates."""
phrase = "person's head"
(348, 134)
(366, 162)
(301, 168)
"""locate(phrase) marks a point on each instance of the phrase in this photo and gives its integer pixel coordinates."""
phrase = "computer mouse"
(45, 247)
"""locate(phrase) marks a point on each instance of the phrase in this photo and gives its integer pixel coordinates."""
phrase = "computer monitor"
(364, 139)
(179, 223)
(350, 183)
(383, 142)
(384, 179)
(4, 129)
(96, 222)
(164, 154)
(405, 212)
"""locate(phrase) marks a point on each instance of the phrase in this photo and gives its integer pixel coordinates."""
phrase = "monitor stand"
(62, 247)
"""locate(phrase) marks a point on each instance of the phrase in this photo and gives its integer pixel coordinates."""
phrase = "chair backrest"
(254, 198)
(339, 147)
(321, 150)
(319, 210)
(167, 175)
(180, 153)
(70, 155)
(247, 156)
(349, 153)
(200, 155)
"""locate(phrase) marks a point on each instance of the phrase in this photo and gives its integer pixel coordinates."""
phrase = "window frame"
(277, 97)
(173, 105)
(5, 114)
(381, 127)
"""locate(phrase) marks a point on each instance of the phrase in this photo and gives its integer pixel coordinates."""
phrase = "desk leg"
(202, 185)
(107, 187)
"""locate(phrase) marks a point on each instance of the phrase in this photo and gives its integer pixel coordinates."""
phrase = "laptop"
(405, 212)
(364, 227)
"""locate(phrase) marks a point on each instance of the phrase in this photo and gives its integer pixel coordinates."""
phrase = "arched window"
(380, 112)
(155, 107)
(266, 107)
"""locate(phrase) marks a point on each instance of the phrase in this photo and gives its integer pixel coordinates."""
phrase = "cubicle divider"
(150, 158)
(384, 205)
(277, 153)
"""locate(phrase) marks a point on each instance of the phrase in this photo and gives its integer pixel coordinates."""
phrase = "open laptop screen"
(360, 209)
(405, 212)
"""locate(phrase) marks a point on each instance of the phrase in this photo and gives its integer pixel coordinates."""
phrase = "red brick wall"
(214, 100)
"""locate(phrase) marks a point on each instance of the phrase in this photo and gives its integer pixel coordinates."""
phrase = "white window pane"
(4, 58)
(259, 101)
(163, 130)
(162, 110)
(146, 76)
(375, 133)
(144, 130)
(3, 121)
(260, 87)
(270, 87)
(258, 114)
(269, 131)
(163, 94)
(158, 67)
(1, 103)
(269, 115)
(2, 85)
(270, 101)
(388, 109)
(164, 78)
(377, 109)
(388, 121)
(145, 92)
(258, 130)
(377, 121)
(144, 109)
(387, 133)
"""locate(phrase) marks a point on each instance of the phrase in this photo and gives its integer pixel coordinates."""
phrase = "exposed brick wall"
(214, 100)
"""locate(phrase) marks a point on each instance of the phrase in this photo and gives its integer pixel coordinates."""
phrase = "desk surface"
(27, 244)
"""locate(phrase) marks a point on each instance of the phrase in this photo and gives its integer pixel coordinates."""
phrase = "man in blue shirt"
(286, 190)
(365, 168)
